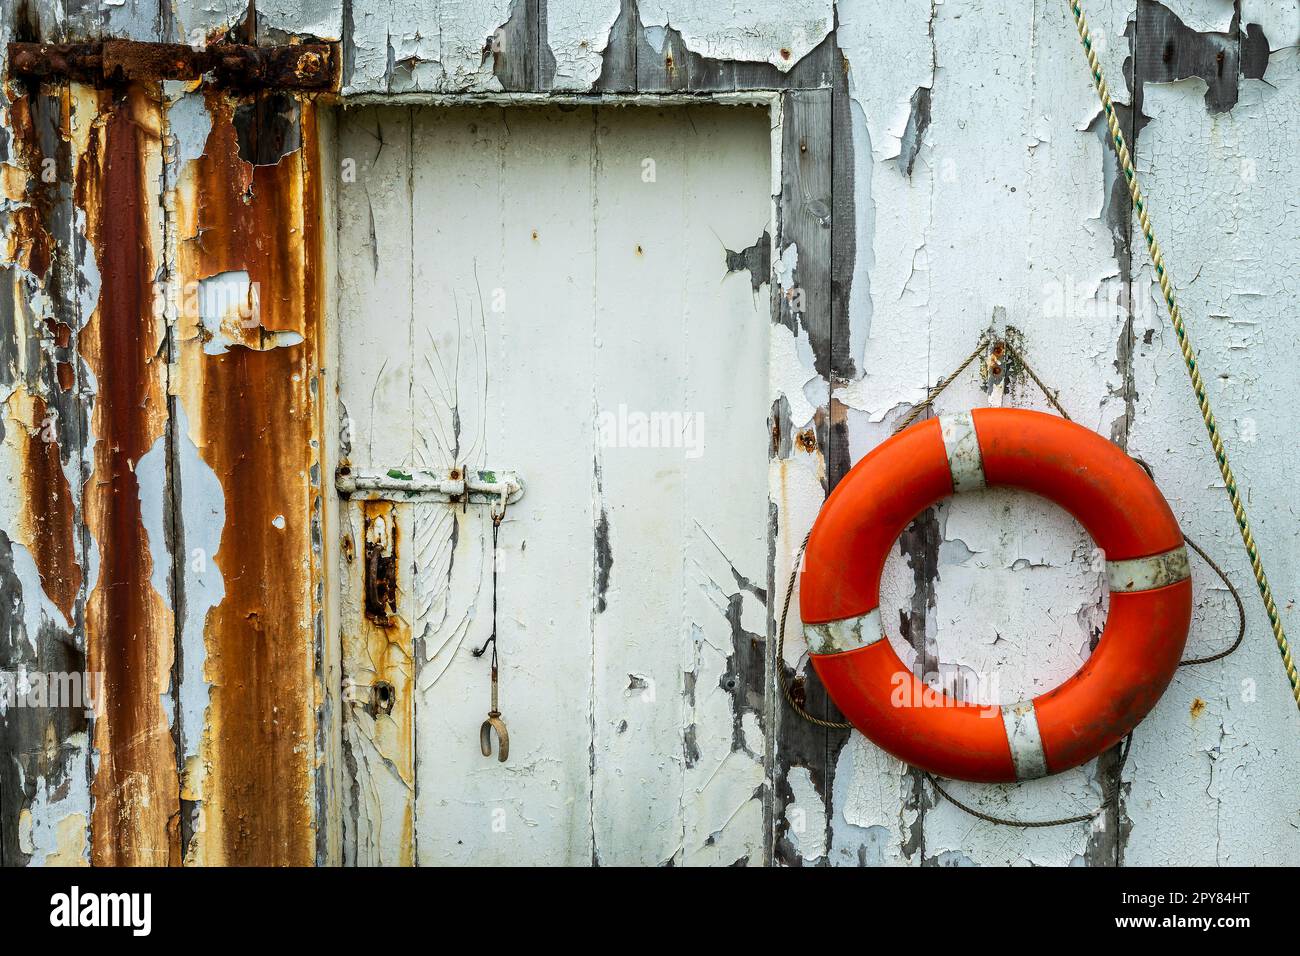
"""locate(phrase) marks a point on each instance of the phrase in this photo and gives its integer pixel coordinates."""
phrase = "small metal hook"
(494, 722)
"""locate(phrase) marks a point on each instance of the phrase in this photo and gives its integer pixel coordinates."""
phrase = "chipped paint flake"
(780, 34)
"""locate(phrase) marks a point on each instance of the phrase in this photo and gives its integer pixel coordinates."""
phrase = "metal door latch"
(475, 486)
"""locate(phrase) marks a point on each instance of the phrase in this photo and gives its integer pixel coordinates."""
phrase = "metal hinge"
(475, 486)
(297, 66)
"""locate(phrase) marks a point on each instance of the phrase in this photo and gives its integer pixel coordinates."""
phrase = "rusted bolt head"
(785, 54)
(309, 64)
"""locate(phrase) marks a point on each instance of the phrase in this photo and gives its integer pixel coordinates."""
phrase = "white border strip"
(1153, 571)
(836, 637)
(1027, 755)
(963, 448)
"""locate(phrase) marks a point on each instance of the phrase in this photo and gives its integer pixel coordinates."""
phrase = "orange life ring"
(1088, 476)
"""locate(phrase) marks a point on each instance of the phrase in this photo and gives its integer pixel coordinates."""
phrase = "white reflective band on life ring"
(1027, 755)
(835, 637)
(1153, 571)
(963, 447)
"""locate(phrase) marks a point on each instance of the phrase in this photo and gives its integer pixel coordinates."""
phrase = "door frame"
(802, 468)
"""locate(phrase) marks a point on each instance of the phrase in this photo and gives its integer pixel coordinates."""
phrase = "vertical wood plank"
(802, 323)
(1208, 763)
(129, 625)
(246, 377)
(681, 614)
(515, 47)
(375, 405)
(44, 738)
(726, 330)
(503, 332)
(639, 772)
(618, 63)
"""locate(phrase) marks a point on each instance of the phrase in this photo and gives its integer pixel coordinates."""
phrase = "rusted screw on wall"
(995, 357)
(309, 64)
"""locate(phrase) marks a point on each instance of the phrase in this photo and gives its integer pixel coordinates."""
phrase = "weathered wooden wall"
(164, 468)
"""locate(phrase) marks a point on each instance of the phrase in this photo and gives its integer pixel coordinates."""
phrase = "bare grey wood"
(805, 222)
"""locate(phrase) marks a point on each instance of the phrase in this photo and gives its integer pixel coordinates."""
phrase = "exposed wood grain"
(515, 48)
(803, 309)
(618, 71)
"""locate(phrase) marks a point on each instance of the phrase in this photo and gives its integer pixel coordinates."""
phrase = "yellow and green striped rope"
(1189, 357)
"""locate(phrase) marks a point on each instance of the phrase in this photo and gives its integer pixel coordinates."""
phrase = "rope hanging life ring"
(1091, 478)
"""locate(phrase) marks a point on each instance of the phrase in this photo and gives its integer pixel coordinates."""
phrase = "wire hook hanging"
(494, 721)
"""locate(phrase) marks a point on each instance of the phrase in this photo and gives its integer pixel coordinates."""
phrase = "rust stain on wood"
(49, 515)
(48, 519)
(379, 657)
(255, 417)
(129, 630)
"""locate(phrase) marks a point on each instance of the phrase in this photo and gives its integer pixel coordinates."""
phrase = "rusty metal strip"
(1153, 571)
(850, 634)
(1026, 742)
(304, 66)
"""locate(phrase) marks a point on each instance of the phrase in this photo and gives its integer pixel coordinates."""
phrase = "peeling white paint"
(1280, 20)
(1204, 16)
(577, 32)
(203, 516)
(883, 86)
(229, 302)
(1005, 207)
(406, 45)
(54, 827)
(793, 375)
(805, 816)
(1221, 744)
(871, 822)
(777, 33)
(322, 19)
(37, 606)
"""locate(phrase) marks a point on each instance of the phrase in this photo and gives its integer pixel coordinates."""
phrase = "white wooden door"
(546, 290)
